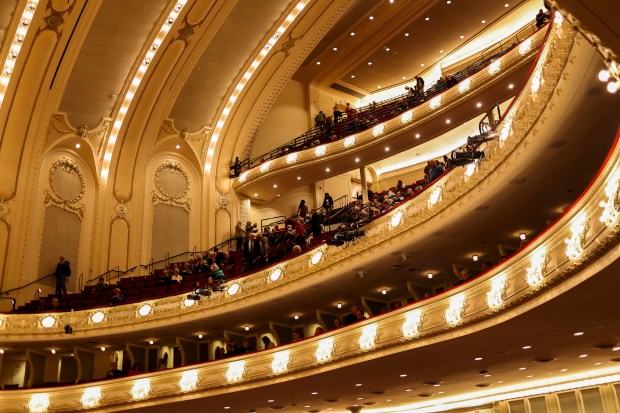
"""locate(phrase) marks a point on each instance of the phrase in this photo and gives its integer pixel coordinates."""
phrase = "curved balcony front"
(580, 248)
(496, 82)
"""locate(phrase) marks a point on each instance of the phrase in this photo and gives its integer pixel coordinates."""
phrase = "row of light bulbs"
(611, 76)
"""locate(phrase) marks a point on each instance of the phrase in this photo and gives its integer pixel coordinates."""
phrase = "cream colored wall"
(287, 119)
(286, 204)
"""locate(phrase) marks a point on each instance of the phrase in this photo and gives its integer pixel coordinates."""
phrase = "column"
(364, 185)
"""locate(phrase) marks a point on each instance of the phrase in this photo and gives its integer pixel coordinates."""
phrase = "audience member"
(328, 203)
(302, 210)
(267, 343)
(114, 372)
(118, 297)
(101, 285)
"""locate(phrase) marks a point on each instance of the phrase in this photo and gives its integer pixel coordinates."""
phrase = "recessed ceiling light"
(246, 328)
(422, 65)
(391, 1)
(511, 86)
(417, 136)
(406, 34)
(369, 63)
(430, 275)
(500, 382)
(178, 146)
(474, 258)
(102, 348)
(441, 51)
(449, 2)
(403, 375)
(299, 178)
(461, 37)
(522, 368)
(563, 370)
(404, 77)
(352, 33)
(327, 169)
(371, 18)
(479, 105)
(506, 5)
(530, 376)
(314, 393)
(352, 76)
(339, 305)
(360, 398)
(598, 363)
(578, 333)
(151, 342)
(387, 49)
(384, 291)
(77, 146)
(335, 49)
(448, 121)
(615, 348)
(483, 21)
(296, 316)
(278, 195)
(275, 185)
(527, 347)
(478, 358)
(226, 407)
(379, 87)
(255, 194)
(357, 159)
(408, 390)
(358, 385)
(387, 148)
(200, 335)
(318, 63)
(582, 356)
(522, 236)
(270, 401)
(427, 19)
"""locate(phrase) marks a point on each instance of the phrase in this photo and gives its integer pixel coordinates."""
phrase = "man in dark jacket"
(63, 271)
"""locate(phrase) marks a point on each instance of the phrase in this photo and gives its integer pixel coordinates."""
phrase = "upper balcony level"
(375, 132)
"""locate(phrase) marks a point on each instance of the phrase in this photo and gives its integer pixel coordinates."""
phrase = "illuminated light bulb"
(145, 310)
(522, 236)
(53, 351)
(603, 75)
(339, 305)
(612, 87)
(97, 317)
(383, 291)
(233, 289)
(246, 328)
(78, 146)
(474, 258)
(296, 316)
(430, 275)
(102, 348)
(275, 274)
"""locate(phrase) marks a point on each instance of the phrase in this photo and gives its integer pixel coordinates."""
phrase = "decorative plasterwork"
(53, 196)
(59, 127)
(334, 347)
(55, 19)
(160, 196)
(223, 202)
(121, 211)
(525, 112)
(288, 44)
(4, 209)
(194, 139)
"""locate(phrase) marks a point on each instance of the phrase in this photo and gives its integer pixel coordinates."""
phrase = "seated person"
(117, 297)
(217, 274)
(186, 270)
(101, 285)
(164, 276)
(114, 372)
(176, 278)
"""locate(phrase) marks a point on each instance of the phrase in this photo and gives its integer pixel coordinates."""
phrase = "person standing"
(63, 271)
(328, 203)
